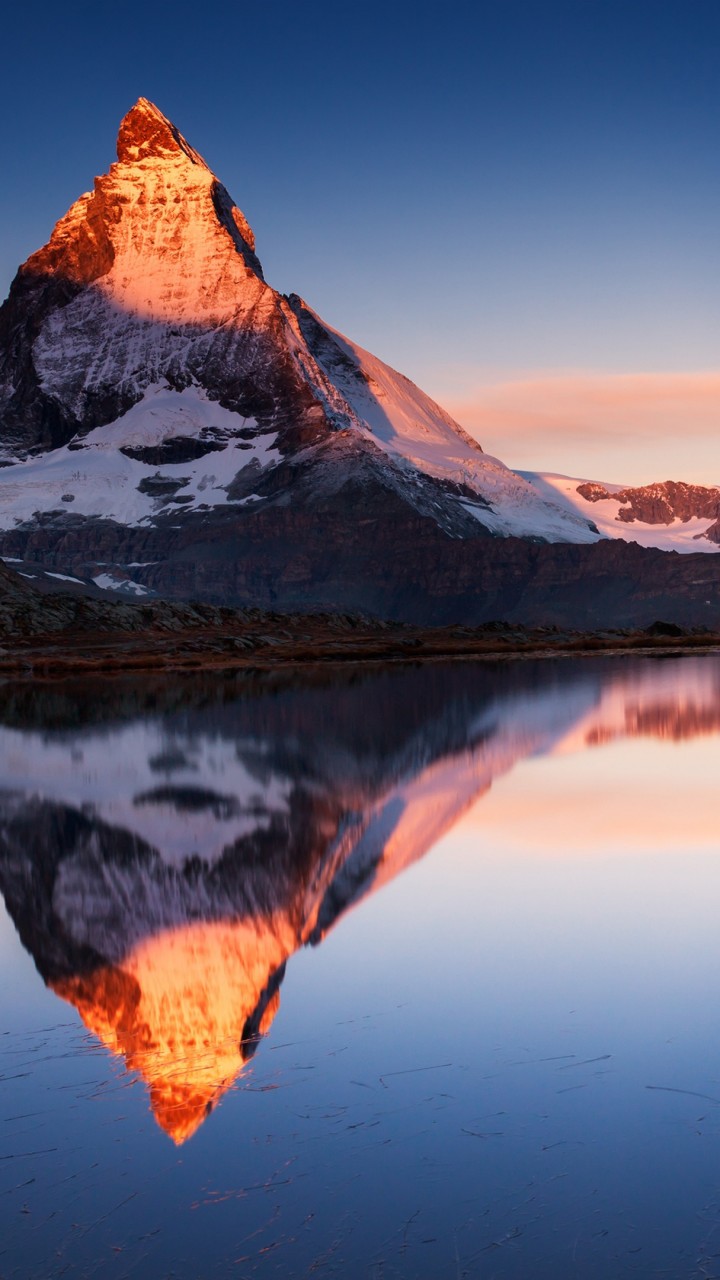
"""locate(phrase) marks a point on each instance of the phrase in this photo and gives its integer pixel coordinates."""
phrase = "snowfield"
(98, 480)
(681, 535)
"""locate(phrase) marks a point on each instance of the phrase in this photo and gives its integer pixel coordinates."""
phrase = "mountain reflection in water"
(165, 849)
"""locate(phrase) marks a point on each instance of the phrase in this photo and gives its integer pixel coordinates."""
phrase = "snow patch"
(113, 582)
(164, 414)
(104, 482)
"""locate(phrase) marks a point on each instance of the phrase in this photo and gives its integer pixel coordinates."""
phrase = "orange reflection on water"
(186, 1006)
(183, 1000)
(184, 1011)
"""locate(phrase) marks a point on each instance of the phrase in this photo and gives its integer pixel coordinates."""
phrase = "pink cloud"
(629, 427)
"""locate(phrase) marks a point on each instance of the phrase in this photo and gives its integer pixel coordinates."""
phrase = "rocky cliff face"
(662, 503)
(391, 565)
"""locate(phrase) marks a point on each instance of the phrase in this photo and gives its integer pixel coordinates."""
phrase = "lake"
(362, 972)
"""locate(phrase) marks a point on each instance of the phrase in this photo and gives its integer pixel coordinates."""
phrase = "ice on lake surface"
(363, 973)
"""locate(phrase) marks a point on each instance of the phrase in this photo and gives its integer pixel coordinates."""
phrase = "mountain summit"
(146, 134)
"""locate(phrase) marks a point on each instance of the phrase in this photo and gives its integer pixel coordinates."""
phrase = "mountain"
(669, 514)
(165, 849)
(152, 383)
(171, 425)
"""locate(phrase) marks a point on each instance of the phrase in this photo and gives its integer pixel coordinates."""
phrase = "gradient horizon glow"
(514, 203)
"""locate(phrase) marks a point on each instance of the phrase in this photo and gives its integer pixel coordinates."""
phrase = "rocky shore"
(47, 632)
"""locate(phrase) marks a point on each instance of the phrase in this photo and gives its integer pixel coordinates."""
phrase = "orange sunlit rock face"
(162, 262)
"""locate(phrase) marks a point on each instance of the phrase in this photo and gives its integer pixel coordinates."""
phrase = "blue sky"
(480, 193)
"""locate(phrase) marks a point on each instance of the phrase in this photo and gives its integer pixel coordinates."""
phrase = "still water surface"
(380, 974)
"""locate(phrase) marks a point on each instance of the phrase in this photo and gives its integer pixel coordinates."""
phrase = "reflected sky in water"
(405, 973)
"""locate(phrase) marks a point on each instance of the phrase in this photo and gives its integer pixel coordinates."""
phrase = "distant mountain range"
(171, 425)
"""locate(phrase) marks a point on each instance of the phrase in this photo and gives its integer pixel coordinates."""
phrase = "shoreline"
(323, 642)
